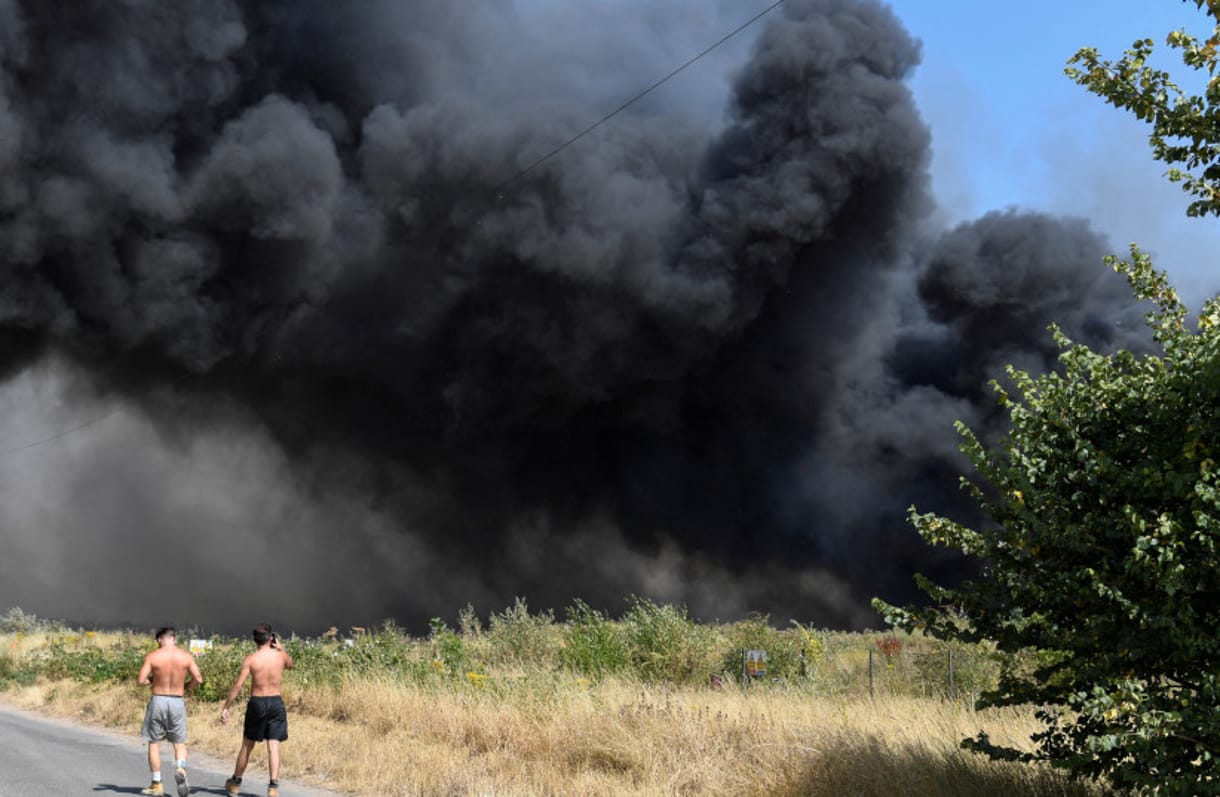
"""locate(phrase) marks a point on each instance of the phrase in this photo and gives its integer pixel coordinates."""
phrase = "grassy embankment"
(527, 706)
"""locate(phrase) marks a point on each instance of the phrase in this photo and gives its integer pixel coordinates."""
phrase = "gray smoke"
(360, 366)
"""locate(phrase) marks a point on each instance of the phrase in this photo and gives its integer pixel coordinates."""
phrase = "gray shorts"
(165, 718)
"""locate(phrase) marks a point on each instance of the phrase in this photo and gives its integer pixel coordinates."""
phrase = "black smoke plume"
(353, 364)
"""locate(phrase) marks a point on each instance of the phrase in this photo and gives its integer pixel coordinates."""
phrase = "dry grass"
(537, 737)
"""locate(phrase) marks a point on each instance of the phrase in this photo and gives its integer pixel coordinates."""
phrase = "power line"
(503, 186)
(96, 419)
(59, 434)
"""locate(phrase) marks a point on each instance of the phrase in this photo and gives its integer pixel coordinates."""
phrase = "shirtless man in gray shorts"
(166, 670)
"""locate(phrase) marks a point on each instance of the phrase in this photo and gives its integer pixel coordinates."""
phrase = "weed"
(18, 621)
(517, 637)
(890, 646)
(813, 650)
(468, 623)
(449, 652)
(592, 643)
(665, 645)
(975, 668)
(8, 670)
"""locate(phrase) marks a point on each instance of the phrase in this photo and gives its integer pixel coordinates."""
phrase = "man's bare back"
(266, 667)
(166, 668)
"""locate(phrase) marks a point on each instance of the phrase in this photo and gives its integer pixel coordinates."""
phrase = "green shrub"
(219, 667)
(26, 676)
(448, 648)
(8, 670)
(665, 645)
(593, 645)
(314, 663)
(386, 650)
(517, 637)
(99, 665)
(783, 648)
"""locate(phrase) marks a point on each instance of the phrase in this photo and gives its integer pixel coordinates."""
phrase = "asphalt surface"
(41, 757)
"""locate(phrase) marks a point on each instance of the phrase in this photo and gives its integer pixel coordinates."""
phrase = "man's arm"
(144, 678)
(275, 643)
(241, 679)
(196, 676)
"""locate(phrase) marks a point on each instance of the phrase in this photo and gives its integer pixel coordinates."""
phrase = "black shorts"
(266, 718)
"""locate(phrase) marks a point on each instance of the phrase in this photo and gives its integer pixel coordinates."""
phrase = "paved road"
(42, 757)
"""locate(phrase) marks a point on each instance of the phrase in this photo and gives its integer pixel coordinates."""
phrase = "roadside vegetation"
(520, 703)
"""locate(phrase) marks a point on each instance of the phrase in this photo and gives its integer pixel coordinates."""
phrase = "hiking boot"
(184, 788)
(154, 788)
(232, 787)
(273, 791)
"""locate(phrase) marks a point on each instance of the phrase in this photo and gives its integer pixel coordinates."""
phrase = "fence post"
(952, 685)
(870, 672)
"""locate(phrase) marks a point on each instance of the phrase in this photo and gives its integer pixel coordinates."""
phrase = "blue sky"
(1010, 129)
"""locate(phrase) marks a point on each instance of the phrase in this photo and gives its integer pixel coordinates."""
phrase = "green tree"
(1098, 575)
(1099, 571)
(1185, 127)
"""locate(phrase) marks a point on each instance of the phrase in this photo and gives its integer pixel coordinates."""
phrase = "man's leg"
(243, 757)
(184, 787)
(152, 732)
(273, 758)
(154, 766)
(233, 784)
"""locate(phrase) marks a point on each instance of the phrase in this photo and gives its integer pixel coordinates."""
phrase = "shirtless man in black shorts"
(266, 718)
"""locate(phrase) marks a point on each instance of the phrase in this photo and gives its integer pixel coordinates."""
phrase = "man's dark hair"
(262, 634)
(166, 631)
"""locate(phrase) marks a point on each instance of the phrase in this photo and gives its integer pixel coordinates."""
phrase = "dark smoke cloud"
(363, 367)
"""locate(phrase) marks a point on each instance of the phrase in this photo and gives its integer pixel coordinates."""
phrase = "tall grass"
(525, 705)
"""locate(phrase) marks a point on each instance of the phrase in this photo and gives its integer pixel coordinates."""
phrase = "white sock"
(182, 763)
(157, 776)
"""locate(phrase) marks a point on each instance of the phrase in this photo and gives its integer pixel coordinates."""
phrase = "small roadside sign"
(754, 663)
